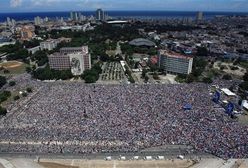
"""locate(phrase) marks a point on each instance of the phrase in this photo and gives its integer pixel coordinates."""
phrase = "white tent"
(228, 92)
(160, 157)
(123, 158)
(148, 158)
(108, 158)
(245, 104)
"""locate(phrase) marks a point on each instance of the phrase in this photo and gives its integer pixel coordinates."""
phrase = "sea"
(120, 14)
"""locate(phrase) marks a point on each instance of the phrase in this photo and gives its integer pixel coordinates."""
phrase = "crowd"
(76, 118)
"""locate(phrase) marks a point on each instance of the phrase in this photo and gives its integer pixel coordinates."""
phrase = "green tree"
(227, 77)
(3, 111)
(3, 81)
(16, 97)
(29, 90)
(146, 78)
(207, 80)
(12, 83)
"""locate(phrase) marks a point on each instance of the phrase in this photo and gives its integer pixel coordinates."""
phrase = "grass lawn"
(55, 165)
(14, 68)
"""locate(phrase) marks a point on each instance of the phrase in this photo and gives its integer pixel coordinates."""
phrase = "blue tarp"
(187, 107)
(216, 97)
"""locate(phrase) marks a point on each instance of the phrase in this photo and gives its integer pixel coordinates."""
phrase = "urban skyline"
(156, 5)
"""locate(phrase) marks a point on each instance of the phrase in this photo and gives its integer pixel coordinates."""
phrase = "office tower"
(199, 16)
(37, 21)
(9, 23)
(100, 15)
(75, 16)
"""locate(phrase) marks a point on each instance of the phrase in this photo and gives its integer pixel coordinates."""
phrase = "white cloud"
(15, 3)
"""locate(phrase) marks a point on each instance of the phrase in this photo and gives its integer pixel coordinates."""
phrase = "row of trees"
(92, 75)
(49, 74)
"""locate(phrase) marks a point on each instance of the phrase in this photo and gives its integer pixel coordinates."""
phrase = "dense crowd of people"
(76, 118)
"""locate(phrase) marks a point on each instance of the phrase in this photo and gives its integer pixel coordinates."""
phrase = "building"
(75, 58)
(199, 16)
(27, 33)
(141, 42)
(59, 61)
(49, 44)
(38, 21)
(100, 15)
(75, 16)
(175, 63)
(34, 49)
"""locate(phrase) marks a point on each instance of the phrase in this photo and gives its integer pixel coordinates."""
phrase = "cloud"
(44, 2)
(15, 3)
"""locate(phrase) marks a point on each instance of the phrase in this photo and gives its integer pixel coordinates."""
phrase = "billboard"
(77, 64)
(229, 108)
(216, 97)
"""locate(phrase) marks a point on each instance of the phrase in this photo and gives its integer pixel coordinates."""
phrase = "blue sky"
(86, 5)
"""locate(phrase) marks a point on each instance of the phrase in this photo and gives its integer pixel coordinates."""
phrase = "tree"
(202, 51)
(3, 81)
(29, 90)
(28, 69)
(244, 86)
(144, 71)
(227, 77)
(3, 111)
(155, 76)
(40, 57)
(12, 83)
(90, 79)
(24, 94)
(4, 96)
(16, 97)
(245, 77)
(6, 71)
(190, 78)
(146, 78)
(207, 80)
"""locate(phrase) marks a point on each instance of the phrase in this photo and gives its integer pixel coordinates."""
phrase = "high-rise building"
(38, 21)
(100, 15)
(77, 59)
(75, 16)
(9, 23)
(199, 16)
(175, 63)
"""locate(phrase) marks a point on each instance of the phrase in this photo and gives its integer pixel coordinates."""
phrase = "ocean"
(118, 14)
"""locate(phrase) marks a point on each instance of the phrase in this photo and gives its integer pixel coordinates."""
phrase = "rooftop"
(174, 54)
(142, 42)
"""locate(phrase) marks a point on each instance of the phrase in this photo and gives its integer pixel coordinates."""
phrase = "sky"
(88, 5)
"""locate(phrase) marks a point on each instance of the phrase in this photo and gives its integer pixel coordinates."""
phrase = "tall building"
(199, 16)
(175, 63)
(9, 23)
(75, 16)
(75, 58)
(100, 15)
(38, 21)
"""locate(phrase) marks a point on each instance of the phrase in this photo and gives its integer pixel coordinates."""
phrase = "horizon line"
(123, 10)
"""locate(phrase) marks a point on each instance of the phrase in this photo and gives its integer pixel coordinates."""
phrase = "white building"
(38, 20)
(49, 45)
(34, 49)
(77, 59)
(175, 63)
